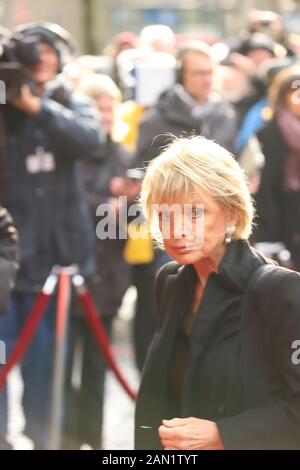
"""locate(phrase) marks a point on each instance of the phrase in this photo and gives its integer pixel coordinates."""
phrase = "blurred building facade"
(94, 22)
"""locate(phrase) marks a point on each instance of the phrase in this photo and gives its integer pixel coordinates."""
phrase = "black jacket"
(49, 207)
(173, 116)
(269, 417)
(278, 210)
(112, 269)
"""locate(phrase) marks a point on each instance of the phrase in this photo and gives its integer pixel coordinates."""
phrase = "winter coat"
(278, 210)
(173, 117)
(264, 318)
(45, 193)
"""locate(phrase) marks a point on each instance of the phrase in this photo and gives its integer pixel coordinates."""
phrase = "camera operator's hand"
(27, 102)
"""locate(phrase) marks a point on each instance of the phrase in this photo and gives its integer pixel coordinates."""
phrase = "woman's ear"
(232, 218)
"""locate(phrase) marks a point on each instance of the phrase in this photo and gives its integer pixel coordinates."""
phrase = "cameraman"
(48, 131)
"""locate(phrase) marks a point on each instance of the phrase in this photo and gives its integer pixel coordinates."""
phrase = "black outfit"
(278, 210)
(225, 386)
(239, 371)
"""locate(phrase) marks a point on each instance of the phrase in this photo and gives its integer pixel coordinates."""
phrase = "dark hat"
(258, 41)
(49, 33)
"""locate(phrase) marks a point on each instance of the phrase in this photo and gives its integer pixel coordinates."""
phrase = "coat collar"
(236, 268)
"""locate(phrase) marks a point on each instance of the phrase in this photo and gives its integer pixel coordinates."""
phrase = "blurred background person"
(255, 117)
(191, 106)
(123, 41)
(158, 38)
(278, 198)
(253, 56)
(112, 277)
(271, 24)
(157, 47)
(48, 132)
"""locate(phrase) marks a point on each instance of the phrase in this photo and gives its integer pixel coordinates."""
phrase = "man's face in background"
(47, 67)
(198, 74)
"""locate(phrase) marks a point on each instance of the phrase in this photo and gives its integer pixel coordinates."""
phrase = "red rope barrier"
(98, 330)
(27, 333)
(62, 304)
(36, 314)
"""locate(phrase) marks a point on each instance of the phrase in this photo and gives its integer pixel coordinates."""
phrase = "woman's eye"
(197, 212)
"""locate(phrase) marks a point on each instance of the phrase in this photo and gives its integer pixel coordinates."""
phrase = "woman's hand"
(190, 434)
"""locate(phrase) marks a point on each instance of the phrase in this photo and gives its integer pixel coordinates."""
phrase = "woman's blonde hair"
(97, 85)
(191, 165)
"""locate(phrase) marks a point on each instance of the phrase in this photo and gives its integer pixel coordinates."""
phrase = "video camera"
(21, 50)
(18, 53)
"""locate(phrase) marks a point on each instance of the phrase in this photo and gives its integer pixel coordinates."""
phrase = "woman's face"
(292, 102)
(196, 230)
(106, 106)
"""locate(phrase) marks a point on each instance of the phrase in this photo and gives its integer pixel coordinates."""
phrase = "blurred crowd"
(73, 131)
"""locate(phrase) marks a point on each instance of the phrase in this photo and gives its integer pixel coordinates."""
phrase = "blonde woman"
(221, 372)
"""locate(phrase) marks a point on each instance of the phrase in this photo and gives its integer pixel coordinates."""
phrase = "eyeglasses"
(199, 73)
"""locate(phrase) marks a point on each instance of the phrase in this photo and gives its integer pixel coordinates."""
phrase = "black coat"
(278, 210)
(49, 207)
(172, 116)
(269, 417)
(112, 276)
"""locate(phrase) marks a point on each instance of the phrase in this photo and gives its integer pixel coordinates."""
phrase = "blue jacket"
(47, 202)
(251, 124)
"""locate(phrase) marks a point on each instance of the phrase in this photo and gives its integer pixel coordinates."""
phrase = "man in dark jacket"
(189, 108)
(48, 132)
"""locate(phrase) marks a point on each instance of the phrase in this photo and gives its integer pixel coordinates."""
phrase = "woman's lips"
(187, 248)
